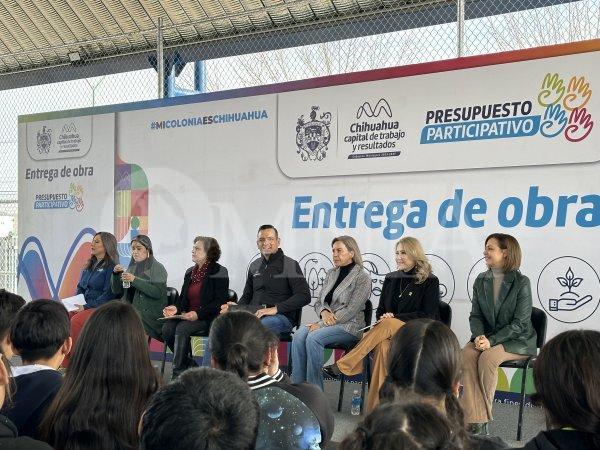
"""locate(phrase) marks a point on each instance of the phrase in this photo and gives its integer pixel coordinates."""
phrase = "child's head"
(9, 305)
(40, 332)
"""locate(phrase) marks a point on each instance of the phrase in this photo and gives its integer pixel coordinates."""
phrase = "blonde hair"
(513, 250)
(414, 249)
(351, 246)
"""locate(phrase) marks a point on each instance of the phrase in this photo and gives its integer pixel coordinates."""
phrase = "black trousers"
(176, 334)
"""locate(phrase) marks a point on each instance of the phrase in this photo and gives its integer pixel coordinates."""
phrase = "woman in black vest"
(204, 290)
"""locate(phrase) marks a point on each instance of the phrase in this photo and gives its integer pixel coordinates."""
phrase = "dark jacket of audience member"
(40, 334)
(9, 439)
(33, 394)
(568, 388)
(292, 416)
(9, 436)
(279, 282)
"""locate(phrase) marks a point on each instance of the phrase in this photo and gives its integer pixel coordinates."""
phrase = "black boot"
(180, 355)
(332, 371)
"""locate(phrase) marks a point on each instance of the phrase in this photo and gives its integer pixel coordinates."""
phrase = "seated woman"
(292, 416)
(425, 360)
(147, 290)
(340, 307)
(411, 292)
(94, 281)
(204, 290)
(107, 387)
(566, 383)
(501, 328)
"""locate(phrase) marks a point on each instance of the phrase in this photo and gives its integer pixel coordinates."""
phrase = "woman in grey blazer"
(340, 306)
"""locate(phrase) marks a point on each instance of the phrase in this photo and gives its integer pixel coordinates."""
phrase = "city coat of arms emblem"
(312, 137)
(44, 140)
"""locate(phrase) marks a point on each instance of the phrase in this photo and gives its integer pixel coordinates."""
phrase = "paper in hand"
(73, 303)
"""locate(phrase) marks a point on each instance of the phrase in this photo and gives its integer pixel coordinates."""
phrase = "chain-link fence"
(303, 39)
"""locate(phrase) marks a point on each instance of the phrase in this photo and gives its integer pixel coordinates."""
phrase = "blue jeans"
(307, 351)
(277, 323)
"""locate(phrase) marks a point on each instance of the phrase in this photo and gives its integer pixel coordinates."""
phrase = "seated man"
(40, 335)
(204, 408)
(9, 305)
(275, 288)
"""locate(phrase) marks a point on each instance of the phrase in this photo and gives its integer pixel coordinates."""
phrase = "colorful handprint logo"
(76, 197)
(565, 107)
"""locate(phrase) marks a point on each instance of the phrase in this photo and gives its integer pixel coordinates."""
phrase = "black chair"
(539, 322)
(172, 296)
(445, 313)
(287, 337)
(366, 373)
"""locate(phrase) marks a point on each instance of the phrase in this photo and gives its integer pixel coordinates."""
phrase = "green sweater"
(148, 294)
(508, 320)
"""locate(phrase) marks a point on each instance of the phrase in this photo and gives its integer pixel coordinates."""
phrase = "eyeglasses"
(267, 239)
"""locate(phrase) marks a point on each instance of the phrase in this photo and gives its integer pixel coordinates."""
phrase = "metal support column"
(460, 24)
(160, 60)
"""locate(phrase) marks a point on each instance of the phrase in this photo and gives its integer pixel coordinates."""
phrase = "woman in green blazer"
(501, 328)
(144, 284)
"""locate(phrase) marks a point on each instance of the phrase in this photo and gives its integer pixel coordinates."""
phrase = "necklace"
(405, 288)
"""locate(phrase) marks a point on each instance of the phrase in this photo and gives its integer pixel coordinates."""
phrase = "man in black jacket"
(275, 287)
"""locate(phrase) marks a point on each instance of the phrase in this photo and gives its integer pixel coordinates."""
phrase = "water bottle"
(126, 284)
(356, 401)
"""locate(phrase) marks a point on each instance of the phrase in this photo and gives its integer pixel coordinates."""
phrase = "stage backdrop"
(446, 152)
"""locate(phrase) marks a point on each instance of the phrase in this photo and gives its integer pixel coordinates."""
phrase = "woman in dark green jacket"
(501, 328)
(144, 284)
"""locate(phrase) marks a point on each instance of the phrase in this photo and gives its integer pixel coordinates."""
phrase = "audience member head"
(502, 251)
(110, 370)
(103, 248)
(141, 248)
(5, 379)
(410, 254)
(267, 240)
(425, 359)
(238, 342)
(402, 426)
(567, 383)
(219, 409)
(40, 333)
(345, 251)
(205, 249)
(9, 305)
(271, 358)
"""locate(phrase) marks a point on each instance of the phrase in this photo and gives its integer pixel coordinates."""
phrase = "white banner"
(66, 172)
(318, 163)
